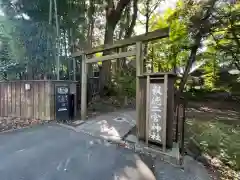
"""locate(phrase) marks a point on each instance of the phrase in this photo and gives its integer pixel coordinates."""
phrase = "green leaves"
(217, 138)
(11, 48)
(217, 24)
(25, 43)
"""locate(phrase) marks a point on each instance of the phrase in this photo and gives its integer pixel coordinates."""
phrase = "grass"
(220, 141)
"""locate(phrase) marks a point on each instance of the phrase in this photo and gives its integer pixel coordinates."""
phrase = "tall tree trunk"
(70, 43)
(129, 29)
(58, 41)
(131, 26)
(121, 63)
(191, 60)
(122, 24)
(66, 53)
(113, 16)
(174, 66)
(116, 65)
(49, 68)
(147, 17)
(152, 62)
(105, 72)
(91, 11)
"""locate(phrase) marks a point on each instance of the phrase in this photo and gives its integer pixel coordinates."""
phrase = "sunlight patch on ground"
(205, 113)
(107, 131)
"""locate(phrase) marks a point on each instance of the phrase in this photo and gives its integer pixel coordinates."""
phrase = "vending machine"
(62, 103)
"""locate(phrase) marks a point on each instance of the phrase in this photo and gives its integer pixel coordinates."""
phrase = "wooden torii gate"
(137, 40)
(143, 83)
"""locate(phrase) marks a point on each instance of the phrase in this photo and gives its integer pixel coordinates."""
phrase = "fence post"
(181, 120)
(84, 88)
(139, 71)
(165, 101)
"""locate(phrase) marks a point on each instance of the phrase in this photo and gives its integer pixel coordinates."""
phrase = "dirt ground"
(11, 123)
(223, 111)
(215, 127)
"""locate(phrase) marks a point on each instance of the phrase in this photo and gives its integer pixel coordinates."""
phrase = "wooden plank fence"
(30, 99)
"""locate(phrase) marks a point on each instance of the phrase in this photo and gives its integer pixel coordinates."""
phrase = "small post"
(84, 88)
(165, 112)
(147, 109)
(138, 73)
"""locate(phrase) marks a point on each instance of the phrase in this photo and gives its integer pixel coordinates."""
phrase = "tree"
(225, 35)
(113, 15)
(189, 24)
(204, 32)
(41, 39)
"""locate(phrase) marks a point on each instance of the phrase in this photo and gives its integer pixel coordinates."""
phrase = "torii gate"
(138, 40)
(146, 85)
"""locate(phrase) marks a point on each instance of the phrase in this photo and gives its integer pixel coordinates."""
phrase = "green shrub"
(124, 83)
(217, 139)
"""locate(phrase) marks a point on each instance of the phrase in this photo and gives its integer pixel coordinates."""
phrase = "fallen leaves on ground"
(9, 123)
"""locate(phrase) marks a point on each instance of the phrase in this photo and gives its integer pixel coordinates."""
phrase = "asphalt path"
(52, 152)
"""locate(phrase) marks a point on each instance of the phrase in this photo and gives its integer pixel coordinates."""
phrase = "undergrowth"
(218, 140)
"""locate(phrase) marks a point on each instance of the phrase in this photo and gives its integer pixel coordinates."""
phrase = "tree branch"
(191, 60)
(110, 9)
(122, 24)
(237, 65)
(154, 7)
(120, 7)
(134, 18)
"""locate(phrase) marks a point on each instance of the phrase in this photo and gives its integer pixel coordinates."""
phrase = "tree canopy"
(204, 36)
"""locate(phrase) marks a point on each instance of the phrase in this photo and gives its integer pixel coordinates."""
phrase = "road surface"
(52, 152)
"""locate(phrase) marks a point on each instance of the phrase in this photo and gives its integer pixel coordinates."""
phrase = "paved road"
(52, 152)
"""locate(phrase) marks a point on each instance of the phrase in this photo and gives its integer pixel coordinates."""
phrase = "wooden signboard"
(156, 112)
(156, 109)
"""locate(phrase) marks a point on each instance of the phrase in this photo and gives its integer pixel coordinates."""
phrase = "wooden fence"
(30, 99)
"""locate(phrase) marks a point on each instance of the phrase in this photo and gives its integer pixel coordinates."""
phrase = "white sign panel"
(156, 112)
